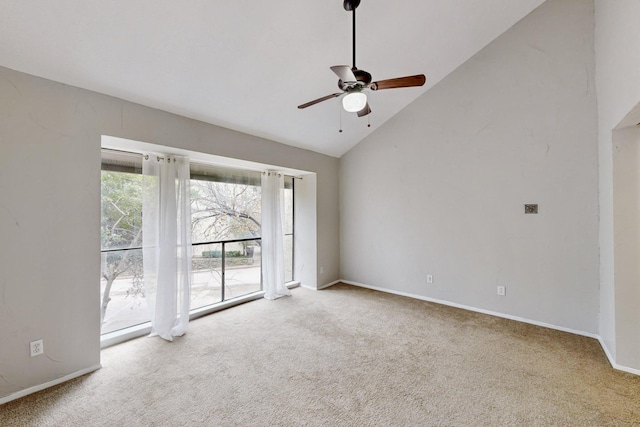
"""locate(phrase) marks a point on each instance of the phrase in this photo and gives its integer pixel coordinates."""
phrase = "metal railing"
(222, 255)
(223, 259)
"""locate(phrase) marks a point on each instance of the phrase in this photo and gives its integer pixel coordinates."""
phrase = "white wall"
(626, 214)
(305, 224)
(50, 137)
(617, 36)
(439, 189)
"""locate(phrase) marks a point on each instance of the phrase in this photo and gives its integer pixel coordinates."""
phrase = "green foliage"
(211, 254)
(121, 223)
(121, 227)
(220, 211)
(218, 254)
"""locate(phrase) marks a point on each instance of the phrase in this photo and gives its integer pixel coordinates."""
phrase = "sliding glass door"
(226, 224)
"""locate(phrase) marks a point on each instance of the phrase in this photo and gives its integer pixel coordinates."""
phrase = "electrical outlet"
(502, 291)
(429, 278)
(37, 348)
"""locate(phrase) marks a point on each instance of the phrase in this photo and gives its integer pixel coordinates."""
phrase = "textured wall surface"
(50, 137)
(617, 64)
(626, 210)
(440, 188)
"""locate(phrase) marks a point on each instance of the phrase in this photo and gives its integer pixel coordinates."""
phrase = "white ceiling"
(246, 65)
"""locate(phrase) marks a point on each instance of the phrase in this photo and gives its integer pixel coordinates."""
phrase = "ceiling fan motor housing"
(363, 79)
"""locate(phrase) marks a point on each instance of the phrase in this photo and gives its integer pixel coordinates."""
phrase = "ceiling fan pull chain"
(340, 112)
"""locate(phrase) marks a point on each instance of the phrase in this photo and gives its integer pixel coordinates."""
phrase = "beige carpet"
(344, 356)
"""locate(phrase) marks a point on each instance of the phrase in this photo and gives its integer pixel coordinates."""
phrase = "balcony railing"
(221, 271)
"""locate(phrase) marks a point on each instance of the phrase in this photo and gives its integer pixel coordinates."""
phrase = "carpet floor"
(344, 356)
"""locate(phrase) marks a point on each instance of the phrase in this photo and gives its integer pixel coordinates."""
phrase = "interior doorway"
(626, 225)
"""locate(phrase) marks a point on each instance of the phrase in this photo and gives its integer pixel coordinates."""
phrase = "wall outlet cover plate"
(36, 348)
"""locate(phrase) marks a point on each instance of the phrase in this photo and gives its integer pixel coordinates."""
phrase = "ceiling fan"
(353, 81)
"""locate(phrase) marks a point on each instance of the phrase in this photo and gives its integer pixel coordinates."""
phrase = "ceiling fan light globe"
(354, 102)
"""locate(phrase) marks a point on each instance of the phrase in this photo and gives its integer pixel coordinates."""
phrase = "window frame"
(131, 162)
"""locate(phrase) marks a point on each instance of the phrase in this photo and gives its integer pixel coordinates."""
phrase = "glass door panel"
(206, 275)
(242, 268)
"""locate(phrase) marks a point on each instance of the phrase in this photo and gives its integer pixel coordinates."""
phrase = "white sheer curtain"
(273, 280)
(166, 241)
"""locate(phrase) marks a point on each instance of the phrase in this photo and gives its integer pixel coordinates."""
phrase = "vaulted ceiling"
(246, 65)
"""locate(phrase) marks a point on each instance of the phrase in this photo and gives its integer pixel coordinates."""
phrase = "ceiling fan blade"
(409, 81)
(344, 72)
(315, 101)
(366, 110)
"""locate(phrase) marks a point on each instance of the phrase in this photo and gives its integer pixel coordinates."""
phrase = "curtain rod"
(133, 153)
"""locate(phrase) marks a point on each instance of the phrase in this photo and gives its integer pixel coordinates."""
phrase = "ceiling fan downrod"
(350, 6)
(354, 40)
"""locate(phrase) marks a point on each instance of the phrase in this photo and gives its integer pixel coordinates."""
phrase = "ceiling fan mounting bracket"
(350, 5)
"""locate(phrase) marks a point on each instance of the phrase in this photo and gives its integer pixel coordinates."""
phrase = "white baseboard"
(81, 372)
(328, 285)
(48, 384)
(505, 316)
(607, 352)
(613, 362)
(293, 284)
(475, 309)
(321, 286)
